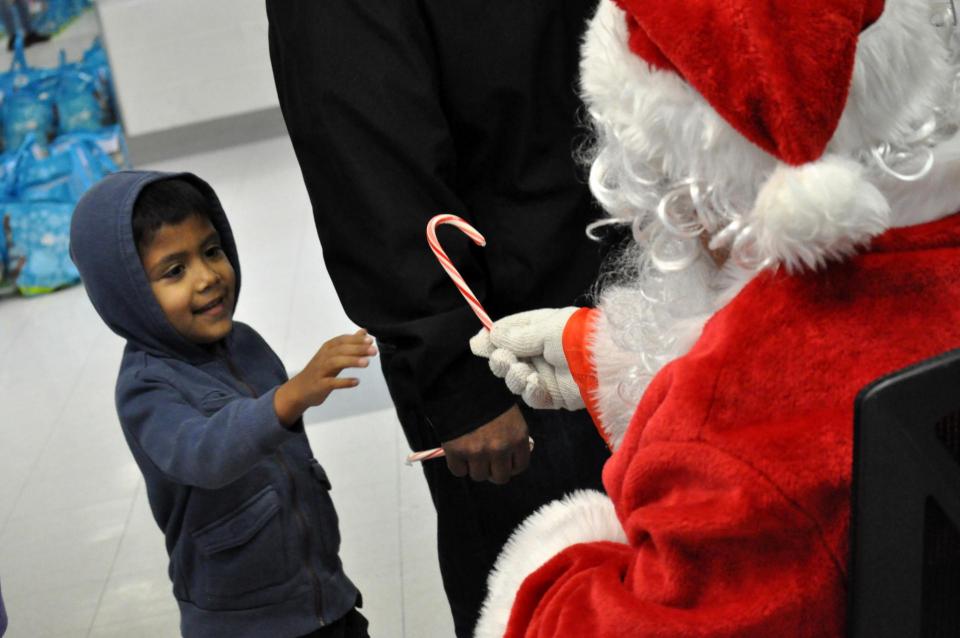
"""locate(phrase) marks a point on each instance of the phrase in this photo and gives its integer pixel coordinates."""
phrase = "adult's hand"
(493, 452)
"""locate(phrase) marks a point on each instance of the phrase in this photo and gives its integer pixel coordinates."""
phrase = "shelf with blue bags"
(60, 136)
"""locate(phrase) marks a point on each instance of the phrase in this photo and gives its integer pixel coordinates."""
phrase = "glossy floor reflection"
(79, 552)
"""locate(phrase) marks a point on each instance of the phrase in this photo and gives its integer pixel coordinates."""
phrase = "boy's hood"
(102, 246)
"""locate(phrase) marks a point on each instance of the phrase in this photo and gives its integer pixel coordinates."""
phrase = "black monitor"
(905, 543)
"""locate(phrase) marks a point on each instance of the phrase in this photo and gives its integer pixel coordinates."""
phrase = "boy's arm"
(193, 449)
(287, 404)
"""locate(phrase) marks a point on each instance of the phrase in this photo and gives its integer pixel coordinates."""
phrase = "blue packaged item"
(111, 141)
(27, 100)
(39, 243)
(50, 16)
(25, 113)
(44, 184)
(8, 175)
(95, 63)
(18, 74)
(22, 75)
(8, 172)
(44, 178)
(106, 149)
(64, 171)
(78, 106)
(108, 139)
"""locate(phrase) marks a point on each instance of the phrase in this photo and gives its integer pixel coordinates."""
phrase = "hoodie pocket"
(320, 475)
(328, 531)
(243, 551)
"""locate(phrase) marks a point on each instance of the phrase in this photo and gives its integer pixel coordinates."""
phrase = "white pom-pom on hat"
(807, 215)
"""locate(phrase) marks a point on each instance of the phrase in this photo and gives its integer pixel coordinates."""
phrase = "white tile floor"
(79, 552)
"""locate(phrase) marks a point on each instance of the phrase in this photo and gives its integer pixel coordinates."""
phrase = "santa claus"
(789, 169)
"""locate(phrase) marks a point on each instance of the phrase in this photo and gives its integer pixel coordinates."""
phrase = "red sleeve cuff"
(576, 336)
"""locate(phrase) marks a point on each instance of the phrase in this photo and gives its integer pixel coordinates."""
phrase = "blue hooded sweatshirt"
(250, 528)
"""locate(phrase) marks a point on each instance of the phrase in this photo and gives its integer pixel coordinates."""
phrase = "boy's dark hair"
(169, 201)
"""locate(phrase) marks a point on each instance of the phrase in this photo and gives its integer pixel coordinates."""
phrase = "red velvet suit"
(733, 480)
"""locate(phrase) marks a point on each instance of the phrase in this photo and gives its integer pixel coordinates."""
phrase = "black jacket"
(249, 525)
(403, 109)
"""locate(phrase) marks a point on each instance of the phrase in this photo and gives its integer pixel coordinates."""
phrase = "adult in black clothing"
(405, 109)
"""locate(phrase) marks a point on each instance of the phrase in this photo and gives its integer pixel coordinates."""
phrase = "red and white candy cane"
(438, 452)
(462, 286)
(426, 455)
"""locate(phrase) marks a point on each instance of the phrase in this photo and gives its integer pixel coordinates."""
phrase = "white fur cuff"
(581, 517)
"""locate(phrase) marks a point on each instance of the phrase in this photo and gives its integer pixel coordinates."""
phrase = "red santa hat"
(779, 73)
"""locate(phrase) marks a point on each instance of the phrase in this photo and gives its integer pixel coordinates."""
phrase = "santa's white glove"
(526, 350)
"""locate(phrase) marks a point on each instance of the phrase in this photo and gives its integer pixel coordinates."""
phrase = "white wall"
(182, 62)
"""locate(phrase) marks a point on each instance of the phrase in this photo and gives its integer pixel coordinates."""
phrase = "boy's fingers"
(336, 364)
(339, 383)
(356, 350)
(356, 338)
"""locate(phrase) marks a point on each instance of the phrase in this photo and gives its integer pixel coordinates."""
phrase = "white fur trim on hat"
(807, 215)
(581, 517)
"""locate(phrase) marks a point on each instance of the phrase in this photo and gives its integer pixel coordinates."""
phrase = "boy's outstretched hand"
(319, 378)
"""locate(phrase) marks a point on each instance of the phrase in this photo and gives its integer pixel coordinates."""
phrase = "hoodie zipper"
(302, 525)
(297, 514)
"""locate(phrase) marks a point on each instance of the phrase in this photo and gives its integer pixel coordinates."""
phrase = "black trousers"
(352, 625)
(474, 520)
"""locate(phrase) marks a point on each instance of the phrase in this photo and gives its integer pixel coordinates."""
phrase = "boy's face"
(192, 279)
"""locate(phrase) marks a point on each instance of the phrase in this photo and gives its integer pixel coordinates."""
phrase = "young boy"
(211, 418)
